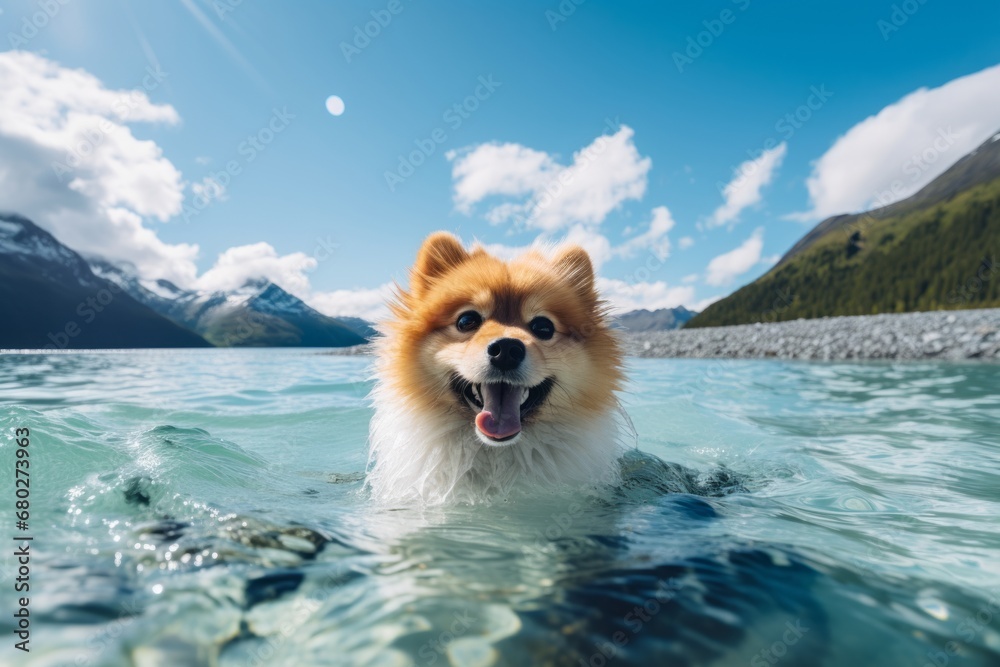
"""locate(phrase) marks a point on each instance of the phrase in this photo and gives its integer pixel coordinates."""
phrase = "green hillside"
(941, 256)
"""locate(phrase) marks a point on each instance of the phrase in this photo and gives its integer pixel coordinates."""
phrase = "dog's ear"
(574, 263)
(439, 253)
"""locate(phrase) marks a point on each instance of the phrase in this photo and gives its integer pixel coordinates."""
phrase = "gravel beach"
(953, 334)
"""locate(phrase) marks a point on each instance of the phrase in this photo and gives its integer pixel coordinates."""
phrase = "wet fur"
(423, 442)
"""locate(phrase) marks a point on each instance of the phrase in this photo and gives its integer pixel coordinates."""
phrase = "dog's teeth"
(524, 394)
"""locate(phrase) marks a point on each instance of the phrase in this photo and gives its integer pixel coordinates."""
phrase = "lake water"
(207, 508)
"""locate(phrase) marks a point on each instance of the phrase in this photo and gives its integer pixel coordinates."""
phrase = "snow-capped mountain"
(259, 313)
(25, 245)
(663, 319)
(50, 298)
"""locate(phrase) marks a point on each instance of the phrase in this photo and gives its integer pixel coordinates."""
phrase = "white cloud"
(653, 239)
(569, 203)
(547, 195)
(690, 278)
(498, 169)
(73, 165)
(626, 296)
(891, 155)
(597, 245)
(744, 189)
(209, 189)
(365, 303)
(237, 265)
(685, 242)
(724, 268)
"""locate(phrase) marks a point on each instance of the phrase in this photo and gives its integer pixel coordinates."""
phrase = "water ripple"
(207, 508)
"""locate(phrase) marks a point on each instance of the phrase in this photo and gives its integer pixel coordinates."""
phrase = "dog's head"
(501, 347)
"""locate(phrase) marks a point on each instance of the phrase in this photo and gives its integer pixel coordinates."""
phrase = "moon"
(335, 105)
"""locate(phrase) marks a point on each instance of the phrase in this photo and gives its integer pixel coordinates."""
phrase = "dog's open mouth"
(501, 407)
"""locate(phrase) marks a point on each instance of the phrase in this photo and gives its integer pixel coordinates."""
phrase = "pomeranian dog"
(494, 374)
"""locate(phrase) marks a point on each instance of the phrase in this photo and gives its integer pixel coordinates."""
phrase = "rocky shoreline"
(952, 335)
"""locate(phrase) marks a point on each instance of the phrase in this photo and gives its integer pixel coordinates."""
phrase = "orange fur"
(447, 280)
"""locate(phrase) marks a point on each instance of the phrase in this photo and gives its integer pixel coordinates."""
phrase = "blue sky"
(557, 79)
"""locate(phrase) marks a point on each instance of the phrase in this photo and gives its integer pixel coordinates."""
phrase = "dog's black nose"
(506, 353)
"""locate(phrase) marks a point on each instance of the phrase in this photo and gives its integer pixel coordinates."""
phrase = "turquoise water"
(207, 508)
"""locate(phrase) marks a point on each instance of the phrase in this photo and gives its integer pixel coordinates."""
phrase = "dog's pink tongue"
(501, 414)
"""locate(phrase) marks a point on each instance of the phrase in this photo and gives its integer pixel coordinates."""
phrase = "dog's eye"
(542, 327)
(469, 321)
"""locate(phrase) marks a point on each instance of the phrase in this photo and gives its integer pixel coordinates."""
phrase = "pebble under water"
(207, 507)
